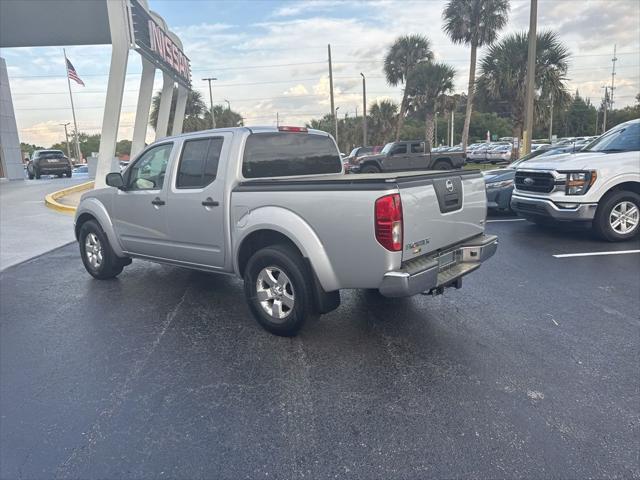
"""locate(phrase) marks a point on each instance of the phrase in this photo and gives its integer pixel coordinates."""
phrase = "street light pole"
(435, 140)
(213, 118)
(364, 110)
(335, 115)
(228, 104)
(66, 136)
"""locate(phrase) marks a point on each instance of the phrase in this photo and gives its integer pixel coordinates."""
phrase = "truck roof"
(249, 129)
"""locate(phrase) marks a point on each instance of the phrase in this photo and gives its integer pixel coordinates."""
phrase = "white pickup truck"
(273, 206)
(599, 185)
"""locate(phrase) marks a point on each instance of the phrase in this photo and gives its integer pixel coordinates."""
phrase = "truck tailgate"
(440, 210)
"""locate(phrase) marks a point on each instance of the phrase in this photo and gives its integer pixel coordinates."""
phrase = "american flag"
(73, 75)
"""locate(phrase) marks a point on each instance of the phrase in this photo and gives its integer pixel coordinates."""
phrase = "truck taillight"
(389, 222)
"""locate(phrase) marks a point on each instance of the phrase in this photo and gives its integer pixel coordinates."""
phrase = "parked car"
(500, 154)
(599, 185)
(409, 155)
(262, 203)
(48, 162)
(81, 169)
(351, 163)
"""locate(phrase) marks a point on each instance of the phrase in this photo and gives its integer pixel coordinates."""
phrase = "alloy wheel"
(93, 250)
(275, 293)
(624, 217)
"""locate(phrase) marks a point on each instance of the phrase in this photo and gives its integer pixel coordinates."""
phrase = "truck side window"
(149, 170)
(199, 162)
(417, 148)
(399, 149)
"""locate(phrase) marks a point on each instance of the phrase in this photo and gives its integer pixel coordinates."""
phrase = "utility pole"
(335, 115)
(333, 111)
(364, 110)
(613, 75)
(66, 136)
(453, 118)
(551, 120)
(213, 118)
(606, 107)
(595, 132)
(277, 119)
(531, 77)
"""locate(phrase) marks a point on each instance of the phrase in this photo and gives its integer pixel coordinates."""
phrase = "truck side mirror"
(115, 179)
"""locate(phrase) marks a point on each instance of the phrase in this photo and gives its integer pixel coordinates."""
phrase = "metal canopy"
(43, 23)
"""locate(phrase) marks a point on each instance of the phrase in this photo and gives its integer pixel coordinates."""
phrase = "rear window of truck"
(277, 154)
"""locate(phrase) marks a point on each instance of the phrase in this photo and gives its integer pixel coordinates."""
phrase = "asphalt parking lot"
(529, 371)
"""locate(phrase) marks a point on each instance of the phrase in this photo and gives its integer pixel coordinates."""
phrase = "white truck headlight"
(578, 183)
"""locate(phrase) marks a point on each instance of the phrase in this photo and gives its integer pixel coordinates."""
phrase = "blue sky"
(271, 57)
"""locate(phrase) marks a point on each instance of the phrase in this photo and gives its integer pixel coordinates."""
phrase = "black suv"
(48, 162)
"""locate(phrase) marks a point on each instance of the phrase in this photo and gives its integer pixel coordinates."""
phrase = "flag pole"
(73, 111)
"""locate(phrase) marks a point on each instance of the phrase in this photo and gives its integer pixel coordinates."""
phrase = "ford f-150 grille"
(542, 182)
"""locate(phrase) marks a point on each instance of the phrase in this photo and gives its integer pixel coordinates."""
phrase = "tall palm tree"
(474, 23)
(503, 72)
(427, 84)
(382, 115)
(403, 55)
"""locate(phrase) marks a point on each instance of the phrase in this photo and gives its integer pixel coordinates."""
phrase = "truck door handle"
(210, 202)
(157, 201)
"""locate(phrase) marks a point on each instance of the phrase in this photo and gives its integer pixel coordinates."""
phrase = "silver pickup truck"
(273, 206)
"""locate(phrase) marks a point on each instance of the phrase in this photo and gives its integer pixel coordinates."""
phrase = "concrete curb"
(50, 200)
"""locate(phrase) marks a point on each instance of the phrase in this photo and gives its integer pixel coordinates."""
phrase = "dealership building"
(123, 24)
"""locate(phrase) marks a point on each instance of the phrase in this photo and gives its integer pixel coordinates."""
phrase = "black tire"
(69, 173)
(296, 286)
(59, 175)
(36, 172)
(30, 175)
(541, 221)
(601, 222)
(110, 265)
(370, 169)
(442, 165)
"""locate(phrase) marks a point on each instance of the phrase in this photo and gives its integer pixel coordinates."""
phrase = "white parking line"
(508, 220)
(593, 254)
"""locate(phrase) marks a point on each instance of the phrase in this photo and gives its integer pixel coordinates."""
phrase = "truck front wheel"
(278, 289)
(618, 216)
(98, 257)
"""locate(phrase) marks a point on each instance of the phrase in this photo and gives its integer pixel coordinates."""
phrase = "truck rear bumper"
(541, 207)
(442, 270)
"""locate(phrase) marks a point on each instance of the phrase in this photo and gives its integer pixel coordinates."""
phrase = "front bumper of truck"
(436, 272)
(542, 207)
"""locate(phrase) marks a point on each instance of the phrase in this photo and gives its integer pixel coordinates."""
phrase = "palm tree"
(427, 84)
(403, 55)
(195, 111)
(474, 23)
(503, 73)
(381, 119)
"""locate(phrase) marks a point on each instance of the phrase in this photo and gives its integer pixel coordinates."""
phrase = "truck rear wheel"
(98, 257)
(618, 216)
(370, 169)
(442, 165)
(278, 289)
